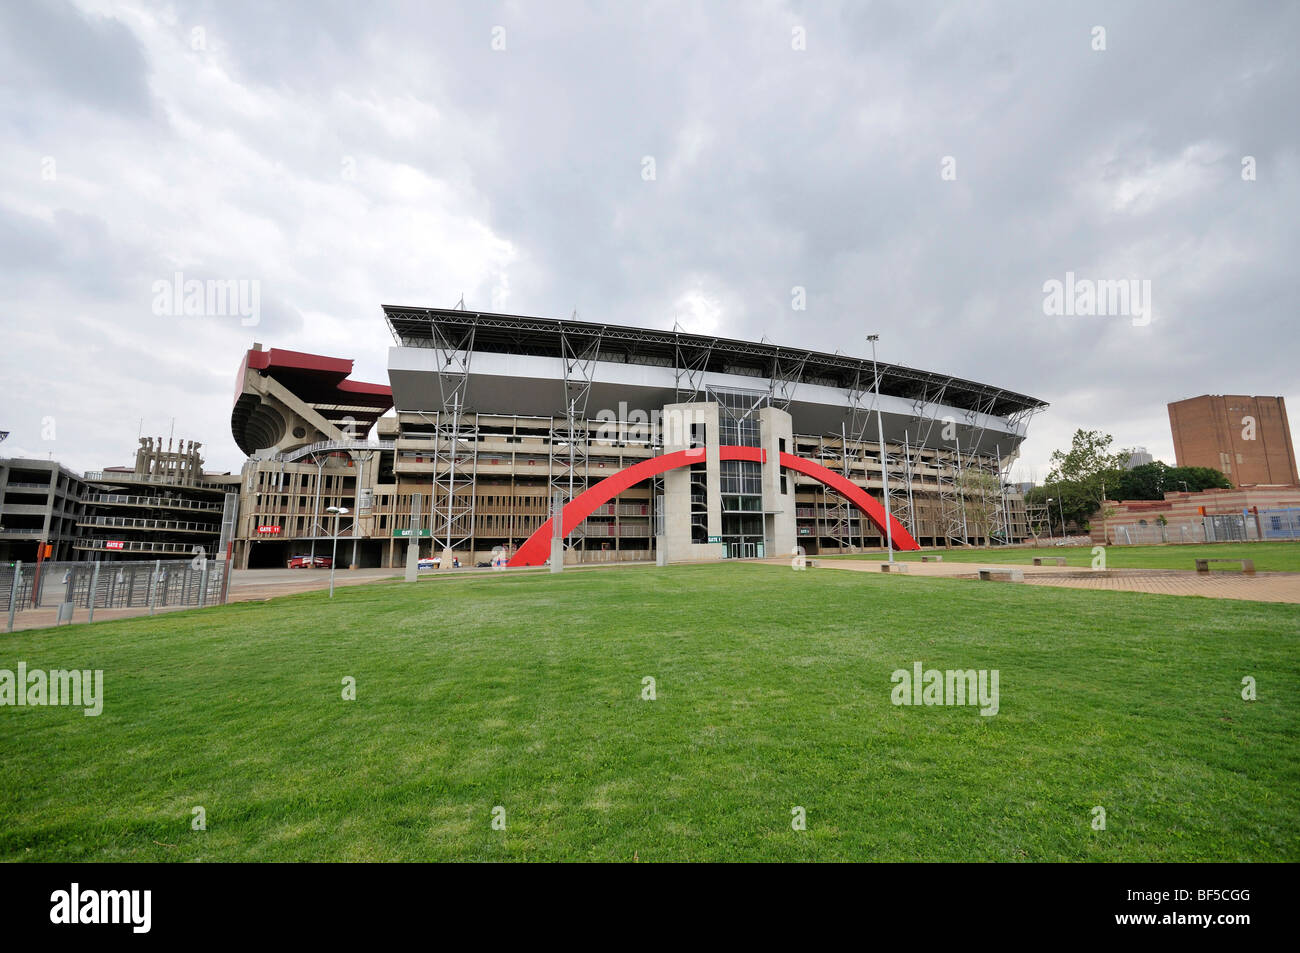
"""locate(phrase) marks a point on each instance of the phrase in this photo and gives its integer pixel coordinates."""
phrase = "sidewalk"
(1262, 587)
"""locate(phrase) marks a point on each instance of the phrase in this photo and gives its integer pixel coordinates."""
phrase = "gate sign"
(113, 544)
(269, 529)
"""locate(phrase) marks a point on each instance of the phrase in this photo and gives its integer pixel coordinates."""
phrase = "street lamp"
(1060, 502)
(337, 511)
(880, 434)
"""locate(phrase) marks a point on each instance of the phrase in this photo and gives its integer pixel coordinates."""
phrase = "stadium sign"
(272, 530)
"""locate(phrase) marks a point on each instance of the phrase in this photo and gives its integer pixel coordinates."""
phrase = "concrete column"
(776, 426)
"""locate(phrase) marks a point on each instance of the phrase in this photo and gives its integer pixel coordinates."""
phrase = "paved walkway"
(246, 585)
(1262, 587)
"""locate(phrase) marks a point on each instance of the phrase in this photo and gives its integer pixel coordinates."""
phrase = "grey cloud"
(775, 168)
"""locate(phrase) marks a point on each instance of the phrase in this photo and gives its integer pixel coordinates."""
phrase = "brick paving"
(1262, 587)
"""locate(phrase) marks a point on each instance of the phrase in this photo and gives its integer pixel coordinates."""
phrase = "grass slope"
(524, 691)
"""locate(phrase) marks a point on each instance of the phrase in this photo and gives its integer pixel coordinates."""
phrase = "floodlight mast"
(884, 467)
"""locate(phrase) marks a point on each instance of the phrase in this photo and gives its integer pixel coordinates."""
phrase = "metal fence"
(1280, 524)
(152, 584)
(1153, 532)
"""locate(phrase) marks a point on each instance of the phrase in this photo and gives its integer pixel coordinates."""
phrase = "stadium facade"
(650, 444)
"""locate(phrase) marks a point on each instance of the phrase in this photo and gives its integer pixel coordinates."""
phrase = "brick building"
(1246, 438)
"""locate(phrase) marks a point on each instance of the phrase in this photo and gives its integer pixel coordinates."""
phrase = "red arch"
(536, 549)
(864, 501)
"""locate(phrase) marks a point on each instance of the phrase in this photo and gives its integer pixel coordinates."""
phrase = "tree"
(1147, 482)
(1196, 478)
(1152, 481)
(1085, 474)
(982, 497)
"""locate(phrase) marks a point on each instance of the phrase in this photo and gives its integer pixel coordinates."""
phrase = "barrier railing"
(152, 584)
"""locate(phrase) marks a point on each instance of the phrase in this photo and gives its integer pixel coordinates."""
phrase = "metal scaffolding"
(570, 442)
(455, 441)
(843, 523)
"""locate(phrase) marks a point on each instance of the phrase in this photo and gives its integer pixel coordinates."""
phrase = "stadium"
(659, 445)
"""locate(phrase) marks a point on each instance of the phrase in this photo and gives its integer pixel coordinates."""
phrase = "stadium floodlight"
(880, 434)
(334, 555)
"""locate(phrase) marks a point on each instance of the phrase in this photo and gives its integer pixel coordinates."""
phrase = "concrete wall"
(677, 483)
(776, 426)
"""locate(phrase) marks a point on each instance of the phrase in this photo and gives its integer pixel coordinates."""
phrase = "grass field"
(1269, 557)
(773, 692)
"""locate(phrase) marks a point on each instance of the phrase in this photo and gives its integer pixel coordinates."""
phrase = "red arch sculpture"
(536, 549)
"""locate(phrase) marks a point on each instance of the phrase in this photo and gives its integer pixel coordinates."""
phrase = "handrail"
(325, 445)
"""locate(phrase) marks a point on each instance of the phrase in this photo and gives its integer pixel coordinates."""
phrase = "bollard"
(94, 591)
(13, 593)
(153, 584)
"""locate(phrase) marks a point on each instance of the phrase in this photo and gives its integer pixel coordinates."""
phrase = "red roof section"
(316, 378)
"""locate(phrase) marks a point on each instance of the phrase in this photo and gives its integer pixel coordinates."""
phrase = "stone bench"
(931, 559)
(1046, 560)
(1247, 565)
(893, 567)
(1002, 575)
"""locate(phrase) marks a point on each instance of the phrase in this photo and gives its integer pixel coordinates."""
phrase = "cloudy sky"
(921, 170)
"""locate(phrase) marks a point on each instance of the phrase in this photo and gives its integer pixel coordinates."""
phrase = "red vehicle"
(306, 562)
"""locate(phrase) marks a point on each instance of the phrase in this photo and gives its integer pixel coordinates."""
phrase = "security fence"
(1279, 524)
(1154, 532)
(154, 584)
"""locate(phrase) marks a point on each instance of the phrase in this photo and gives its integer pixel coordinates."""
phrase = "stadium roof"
(320, 383)
(518, 334)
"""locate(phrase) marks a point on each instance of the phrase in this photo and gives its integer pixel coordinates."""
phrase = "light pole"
(880, 434)
(1050, 501)
(337, 511)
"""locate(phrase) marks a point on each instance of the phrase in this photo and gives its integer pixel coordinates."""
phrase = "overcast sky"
(344, 155)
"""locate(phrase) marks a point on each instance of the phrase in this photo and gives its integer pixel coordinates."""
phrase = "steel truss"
(842, 522)
(455, 442)
(690, 360)
(412, 327)
(570, 442)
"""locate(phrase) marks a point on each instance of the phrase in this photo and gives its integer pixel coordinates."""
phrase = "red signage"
(113, 544)
(268, 529)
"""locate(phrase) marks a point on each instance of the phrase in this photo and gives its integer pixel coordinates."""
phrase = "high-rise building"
(1248, 439)
(1138, 457)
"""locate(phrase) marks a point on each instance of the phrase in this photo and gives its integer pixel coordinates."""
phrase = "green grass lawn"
(1269, 557)
(525, 692)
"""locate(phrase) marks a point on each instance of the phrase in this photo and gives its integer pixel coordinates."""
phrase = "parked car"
(306, 562)
(434, 562)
